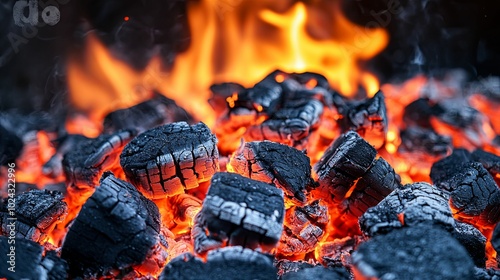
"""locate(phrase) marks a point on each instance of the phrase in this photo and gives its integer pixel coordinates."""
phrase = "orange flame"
(239, 41)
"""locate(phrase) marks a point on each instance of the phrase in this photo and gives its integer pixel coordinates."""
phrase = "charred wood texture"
(282, 107)
(146, 115)
(337, 253)
(378, 182)
(352, 175)
(367, 117)
(345, 161)
(304, 228)
(473, 191)
(284, 166)
(65, 144)
(486, 274)
(318, 273)
(443, 170)
(30, 261)
(490, 161)
(472, 240)
(84, 165)
(117, 228)
(225, 263)
(285, 266)
(37, 213)
(167, 160)
(10, 146)
(421, 252)
(416, 140)
(239, 211)
(411, 205)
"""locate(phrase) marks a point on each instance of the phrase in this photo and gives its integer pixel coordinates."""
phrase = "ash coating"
(420, 252)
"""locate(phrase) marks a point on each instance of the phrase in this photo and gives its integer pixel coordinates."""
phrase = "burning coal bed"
(294, 181)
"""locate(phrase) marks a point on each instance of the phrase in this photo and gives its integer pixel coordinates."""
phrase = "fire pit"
(217, 139)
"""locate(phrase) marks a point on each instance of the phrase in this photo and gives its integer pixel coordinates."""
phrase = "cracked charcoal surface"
(490, 161)
(318, 273)
(87, 162)
(420, 140)
(443, 170)
(304, 228)
(37, 212)
(377, 183)
(166, 160)
(284, 166)
(291, 125)
(121, 225)
(225, 263)
(53, 167)
(474, 193)
(30, 262)
(421, 252)
(347, 159)
(368, 118)
(151, 113)
(486, 274)
(239, 211)
(472, 240)
(408, 206)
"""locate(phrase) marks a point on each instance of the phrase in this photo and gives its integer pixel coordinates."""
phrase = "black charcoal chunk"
(318, 273)
(443, 170)
(65, 144)
(167, 160)
(37, 213)
(28, 261)
(305, 79)
(155, 111)
(368, 118)
(420, 140)
(10, 146)
(408, 206)
(486, 274)
(304, 228)
(421, 252)
(116, 228)
(458, 114)
(290, 125)
(418, 113)
(225, 263)
(346, 160)
(490, 161)
(84, 165)
(284, 166)
(378, 182)
(472, 240)
(474, 194)
(239, 211)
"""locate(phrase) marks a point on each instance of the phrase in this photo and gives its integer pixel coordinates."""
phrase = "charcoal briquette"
(421, 252)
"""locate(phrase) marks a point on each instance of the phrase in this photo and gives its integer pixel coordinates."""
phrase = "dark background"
(425, 36)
